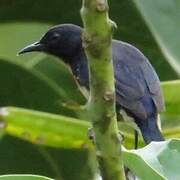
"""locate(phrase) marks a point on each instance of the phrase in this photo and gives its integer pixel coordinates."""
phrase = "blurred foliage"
(24, 88)
(20, 157)
(171, 91)
(165, 29)
(41, 82)
(122, 12)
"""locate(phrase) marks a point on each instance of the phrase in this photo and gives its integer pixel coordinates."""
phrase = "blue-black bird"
(138, 90)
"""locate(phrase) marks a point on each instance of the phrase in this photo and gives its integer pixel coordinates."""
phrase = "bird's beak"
(37, 46)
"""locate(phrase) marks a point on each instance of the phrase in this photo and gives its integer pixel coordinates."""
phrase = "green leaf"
(21, 87)
(44, 128)
(20, 157)
(165, 28)
(171, 116)
(23, 177)
(158, 160)
(50, 129)
(171, 91)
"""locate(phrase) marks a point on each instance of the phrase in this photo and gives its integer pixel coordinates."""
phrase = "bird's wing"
(137, 85)
(153, 83)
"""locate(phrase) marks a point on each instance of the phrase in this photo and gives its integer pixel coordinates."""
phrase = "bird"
(137, 85)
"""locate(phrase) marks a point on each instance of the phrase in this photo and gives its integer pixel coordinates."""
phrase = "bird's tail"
(150, 130)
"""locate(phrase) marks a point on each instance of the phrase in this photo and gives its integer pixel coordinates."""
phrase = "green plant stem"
(97, 41)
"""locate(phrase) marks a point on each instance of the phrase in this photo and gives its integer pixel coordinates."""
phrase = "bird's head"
(63, 41)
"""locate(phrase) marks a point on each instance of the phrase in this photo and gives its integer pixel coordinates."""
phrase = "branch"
(97, 41)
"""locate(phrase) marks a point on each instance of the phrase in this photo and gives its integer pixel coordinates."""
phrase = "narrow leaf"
(43, 128)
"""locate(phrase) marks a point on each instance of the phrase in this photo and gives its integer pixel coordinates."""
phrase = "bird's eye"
(55, 36)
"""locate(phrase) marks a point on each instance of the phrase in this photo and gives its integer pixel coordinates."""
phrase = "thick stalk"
(97, 41)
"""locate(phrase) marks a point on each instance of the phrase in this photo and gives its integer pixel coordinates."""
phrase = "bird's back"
(137, 84)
